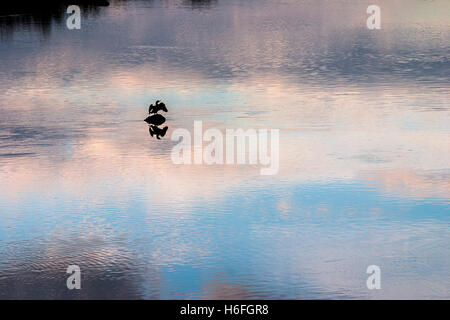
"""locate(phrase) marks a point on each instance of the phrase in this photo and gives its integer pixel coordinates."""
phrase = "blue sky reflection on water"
(364, 152)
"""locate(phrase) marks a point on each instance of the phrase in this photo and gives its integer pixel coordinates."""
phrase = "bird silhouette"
(154, 130)
(157, 107)
(155, 119)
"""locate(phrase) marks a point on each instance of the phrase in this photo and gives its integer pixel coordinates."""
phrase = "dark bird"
(158, 106)
(154, 130)
(155, 119)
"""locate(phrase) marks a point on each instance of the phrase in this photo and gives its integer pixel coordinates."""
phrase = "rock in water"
(155, 119)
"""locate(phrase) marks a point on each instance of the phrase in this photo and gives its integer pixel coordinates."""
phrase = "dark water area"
(364, 162)
(41, 14)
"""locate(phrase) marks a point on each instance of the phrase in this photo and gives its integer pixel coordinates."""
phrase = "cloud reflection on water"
(363, 166)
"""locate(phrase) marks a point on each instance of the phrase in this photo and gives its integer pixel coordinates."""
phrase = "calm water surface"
(364, 173)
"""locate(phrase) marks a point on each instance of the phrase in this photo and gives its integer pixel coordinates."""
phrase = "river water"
(364, 162)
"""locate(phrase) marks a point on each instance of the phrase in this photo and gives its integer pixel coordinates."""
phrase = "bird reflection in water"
(155, 120)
